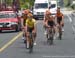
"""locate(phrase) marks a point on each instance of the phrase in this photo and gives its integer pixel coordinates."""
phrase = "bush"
(73, 6)
(25, 4)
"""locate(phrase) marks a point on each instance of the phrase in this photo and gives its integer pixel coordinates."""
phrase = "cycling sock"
(27, 44)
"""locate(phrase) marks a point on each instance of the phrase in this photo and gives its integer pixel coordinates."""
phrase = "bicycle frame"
(30, 42)
(50, 35)
(60, 32)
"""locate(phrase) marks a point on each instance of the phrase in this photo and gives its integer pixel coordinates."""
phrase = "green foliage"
(26, 3)
(23, 3)
(67, 3)
(8, 2)
(73, 6)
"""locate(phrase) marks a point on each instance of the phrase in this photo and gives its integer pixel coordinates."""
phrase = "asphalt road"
(64, 48)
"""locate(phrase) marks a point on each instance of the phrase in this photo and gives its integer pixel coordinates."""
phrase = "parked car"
(9, 21)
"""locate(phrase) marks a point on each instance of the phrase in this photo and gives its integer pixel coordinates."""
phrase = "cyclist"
(60, 18)
(30, 27)
(23, 21)
(46, 17)
(50, 23)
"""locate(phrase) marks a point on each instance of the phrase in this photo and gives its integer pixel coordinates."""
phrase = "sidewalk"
(67, 10)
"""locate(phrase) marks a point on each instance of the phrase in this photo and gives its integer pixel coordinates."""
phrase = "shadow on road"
(8, 32)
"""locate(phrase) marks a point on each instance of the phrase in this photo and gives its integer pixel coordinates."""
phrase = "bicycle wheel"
(26, 44)
(31, 44)
(60, 33)
(50, 41)
(31, 47)
(47, 37)
(51, 33)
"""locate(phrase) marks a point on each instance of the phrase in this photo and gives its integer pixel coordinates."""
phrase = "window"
(53, 6)
(41, 5)
(9, 15)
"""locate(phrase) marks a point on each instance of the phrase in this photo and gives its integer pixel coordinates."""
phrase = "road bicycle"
(50, 35)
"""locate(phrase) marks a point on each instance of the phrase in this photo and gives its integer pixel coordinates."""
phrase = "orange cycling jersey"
(59, 14)
(59, 17)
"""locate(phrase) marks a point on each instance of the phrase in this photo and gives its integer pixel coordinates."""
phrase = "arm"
(35, 25)
(47, 24)
(55, 19)
(62, 18)
(26, 25)
(44, 19)
(22, 22)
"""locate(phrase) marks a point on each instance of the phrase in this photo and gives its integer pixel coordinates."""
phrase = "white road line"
(73, 28)
(58, 56)
(69, 18)
(71, 21)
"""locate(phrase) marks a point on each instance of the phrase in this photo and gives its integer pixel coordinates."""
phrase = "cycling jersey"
(30, 23)
(25, 16)
(46, 18)
(51, 21)
(59, 17)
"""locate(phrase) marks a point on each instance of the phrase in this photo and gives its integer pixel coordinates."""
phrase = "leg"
(57, 29)
(34, 36)
(27, 39)
(62, 24)
(23, 33)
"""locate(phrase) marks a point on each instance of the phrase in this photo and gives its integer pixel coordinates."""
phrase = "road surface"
(64, 48)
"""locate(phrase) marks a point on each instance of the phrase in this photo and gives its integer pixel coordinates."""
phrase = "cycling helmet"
(26, 11)
(48, 12)
(30, 15)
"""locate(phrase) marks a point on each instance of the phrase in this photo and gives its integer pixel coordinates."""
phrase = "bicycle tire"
(26, 44)
(51, 37)
(60, 34)
(31, 44)
(51, 40)
(31, 47)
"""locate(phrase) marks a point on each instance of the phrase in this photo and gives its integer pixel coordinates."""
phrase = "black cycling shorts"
(59, 19)
(51, 23)
(30, 29)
